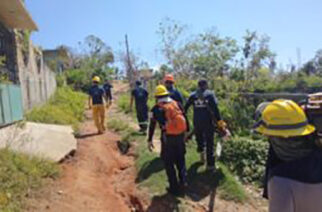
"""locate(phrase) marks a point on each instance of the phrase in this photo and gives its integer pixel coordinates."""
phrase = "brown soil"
(97, 178)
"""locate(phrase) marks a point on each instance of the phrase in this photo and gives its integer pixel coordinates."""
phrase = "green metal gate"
(11, 109)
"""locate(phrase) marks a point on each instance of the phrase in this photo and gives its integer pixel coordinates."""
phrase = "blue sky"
(291, 24)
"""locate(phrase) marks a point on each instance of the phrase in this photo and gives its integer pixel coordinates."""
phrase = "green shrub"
(124, 102)
(79, 79)
(246, 157)
(20, 174)
(61, 80)
(65, 107)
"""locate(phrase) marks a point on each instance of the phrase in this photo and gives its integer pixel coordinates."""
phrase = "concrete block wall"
(37, 81)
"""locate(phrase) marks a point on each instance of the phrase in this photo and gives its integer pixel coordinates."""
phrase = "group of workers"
(169, 112)
(293, 176)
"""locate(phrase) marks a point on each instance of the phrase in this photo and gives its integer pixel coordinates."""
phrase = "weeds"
(151, 172)
(65, 107)
(19, 174)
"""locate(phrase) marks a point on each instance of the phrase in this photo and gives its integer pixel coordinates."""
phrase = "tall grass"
(19, 175)
(65, 107)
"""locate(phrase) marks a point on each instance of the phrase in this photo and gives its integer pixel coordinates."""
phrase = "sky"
(291, 24)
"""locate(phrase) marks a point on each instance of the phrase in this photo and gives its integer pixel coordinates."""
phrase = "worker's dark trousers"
(173, 155)
(205, 139)
(142, 116)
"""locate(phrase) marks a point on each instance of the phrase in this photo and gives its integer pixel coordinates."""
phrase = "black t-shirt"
(97, 94)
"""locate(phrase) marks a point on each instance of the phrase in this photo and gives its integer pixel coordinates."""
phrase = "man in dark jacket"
(140, 96)
(205, 116)
(174, 93)
(170, 117)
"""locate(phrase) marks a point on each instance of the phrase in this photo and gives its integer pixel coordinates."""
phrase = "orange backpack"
(175, 121)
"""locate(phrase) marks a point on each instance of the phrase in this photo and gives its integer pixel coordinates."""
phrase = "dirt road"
(97, 178)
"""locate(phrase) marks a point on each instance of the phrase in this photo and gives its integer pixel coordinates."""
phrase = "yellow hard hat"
(161, 90)
(283, 118)
(96, 79)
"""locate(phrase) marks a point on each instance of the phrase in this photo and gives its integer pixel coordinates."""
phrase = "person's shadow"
(166, 202)
(149, 168)
(83, 136)
(202, 184)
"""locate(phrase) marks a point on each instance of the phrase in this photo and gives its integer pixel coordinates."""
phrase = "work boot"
(174, 192)
(183, 187)
(210, 168)
(203, 157)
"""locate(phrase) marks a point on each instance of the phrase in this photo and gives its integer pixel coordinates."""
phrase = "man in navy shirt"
(96, 103)
(108, 92)
(140, 95)
(174, 93)
(206, 116)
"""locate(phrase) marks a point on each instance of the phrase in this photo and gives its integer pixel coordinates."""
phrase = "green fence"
(11, 108)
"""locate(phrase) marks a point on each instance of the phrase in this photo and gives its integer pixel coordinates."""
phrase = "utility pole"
(130, 71)
(299, 58)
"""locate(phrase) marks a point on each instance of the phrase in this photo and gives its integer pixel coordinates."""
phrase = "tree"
(314, 66)
(96, 54)
(256, 55)
(204, 55)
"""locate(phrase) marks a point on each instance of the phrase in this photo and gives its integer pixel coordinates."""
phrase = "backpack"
(175, 121)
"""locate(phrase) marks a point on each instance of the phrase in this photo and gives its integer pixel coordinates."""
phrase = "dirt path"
(98, 178)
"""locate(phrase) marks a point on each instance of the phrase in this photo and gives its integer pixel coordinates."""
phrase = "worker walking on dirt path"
(205, 118)
(140, 95)
(108, 92)
(173, 124)
(293, 181)
(96, 103)
(174, 93)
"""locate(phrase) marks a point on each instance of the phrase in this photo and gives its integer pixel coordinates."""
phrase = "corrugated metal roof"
(14, 15)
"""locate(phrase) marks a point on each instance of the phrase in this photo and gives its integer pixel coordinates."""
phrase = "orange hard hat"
(169, 77)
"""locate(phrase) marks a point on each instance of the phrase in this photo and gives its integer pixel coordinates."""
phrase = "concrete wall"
(37, 81)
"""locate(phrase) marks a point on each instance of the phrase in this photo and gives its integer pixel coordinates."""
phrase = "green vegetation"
(151, 173)
(65, 107)
(246, 157)
(3, 73)
(19, 175)
(95, 58)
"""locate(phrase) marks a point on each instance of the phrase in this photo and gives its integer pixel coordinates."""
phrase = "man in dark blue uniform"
(174, 93)
(140, 95)
(108, 91)
(206, 115)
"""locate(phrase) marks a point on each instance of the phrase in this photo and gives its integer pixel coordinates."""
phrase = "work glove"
(222, 128)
